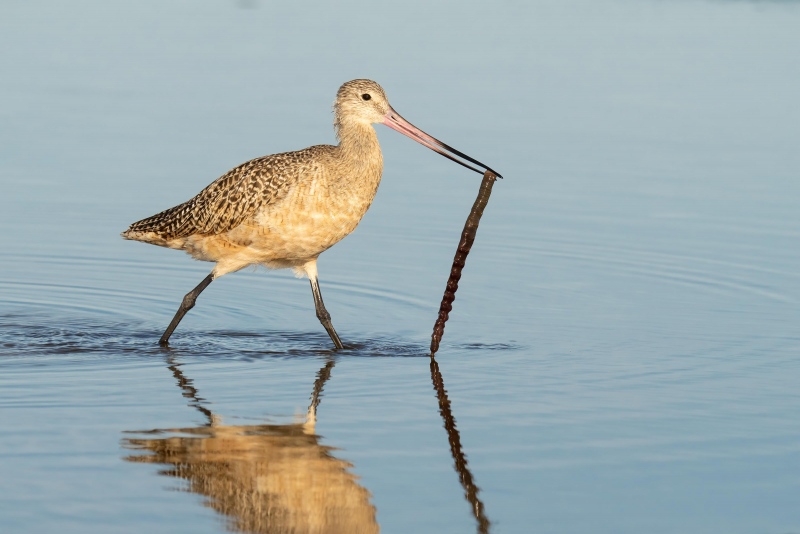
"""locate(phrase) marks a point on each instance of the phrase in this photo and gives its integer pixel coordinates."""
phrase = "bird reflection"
(263, 478)
(460, 459)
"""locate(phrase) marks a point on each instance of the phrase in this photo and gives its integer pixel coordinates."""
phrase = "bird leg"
(322, 314)
(186, 304)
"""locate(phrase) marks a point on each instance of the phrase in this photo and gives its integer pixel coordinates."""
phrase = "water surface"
(623, 354)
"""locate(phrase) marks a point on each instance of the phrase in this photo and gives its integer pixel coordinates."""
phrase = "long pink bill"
(395, 121)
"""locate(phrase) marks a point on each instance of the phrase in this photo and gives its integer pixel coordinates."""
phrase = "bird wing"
(233, 197)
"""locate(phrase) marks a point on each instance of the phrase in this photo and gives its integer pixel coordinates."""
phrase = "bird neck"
(358, 143)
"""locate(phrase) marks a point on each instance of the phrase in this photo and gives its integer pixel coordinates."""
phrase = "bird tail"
(160, 229)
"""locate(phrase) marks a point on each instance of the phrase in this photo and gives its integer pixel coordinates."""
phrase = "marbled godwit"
(284, 210)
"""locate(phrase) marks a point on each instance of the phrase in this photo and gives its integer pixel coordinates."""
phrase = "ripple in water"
(28, 334)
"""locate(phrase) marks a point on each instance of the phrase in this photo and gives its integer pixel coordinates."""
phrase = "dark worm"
(464, 246)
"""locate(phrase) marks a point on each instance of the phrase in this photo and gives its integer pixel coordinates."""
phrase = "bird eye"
(366, 96)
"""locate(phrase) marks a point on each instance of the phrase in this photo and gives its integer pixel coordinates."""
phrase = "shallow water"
(623, 354)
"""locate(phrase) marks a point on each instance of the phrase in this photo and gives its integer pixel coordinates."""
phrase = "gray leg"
(186, 305)
(322, 314)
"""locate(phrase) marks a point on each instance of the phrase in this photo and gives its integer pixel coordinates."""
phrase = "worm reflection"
(460, 459)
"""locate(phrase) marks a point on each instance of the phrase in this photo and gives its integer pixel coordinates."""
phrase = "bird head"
(364, 102)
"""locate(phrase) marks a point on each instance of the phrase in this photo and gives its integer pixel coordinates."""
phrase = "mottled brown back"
(232, 198)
